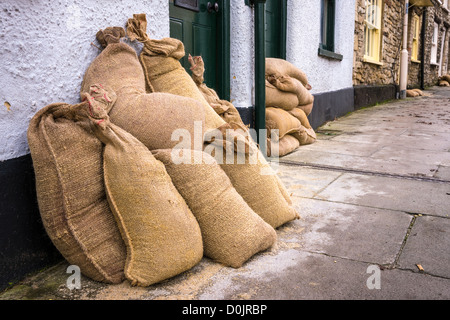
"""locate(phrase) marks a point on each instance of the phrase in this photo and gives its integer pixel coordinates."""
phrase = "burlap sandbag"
(232, 232)
(223, 108)
(412, 93)
(163, 70)
(446, 77)
(306, 134)
(444, 83)
(282, 147)
(67, 160)
(161, 235)
(301, 115)
(153, 117)
(116, 67)
(281, 67)
(307, 108)
(281, 120)
(280, 99)
(258, 184)
(290, 84)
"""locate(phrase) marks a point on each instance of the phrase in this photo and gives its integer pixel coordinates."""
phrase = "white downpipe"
(404, 55)
(441, 60)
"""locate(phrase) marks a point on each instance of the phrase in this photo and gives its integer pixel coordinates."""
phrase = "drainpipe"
(260, 72)
(404, 55)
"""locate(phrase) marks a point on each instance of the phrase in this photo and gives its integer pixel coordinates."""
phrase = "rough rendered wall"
(46, 48)
(242, 54)
(303, 38)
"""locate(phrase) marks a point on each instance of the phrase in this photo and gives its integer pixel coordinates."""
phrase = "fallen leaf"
(420, 267)
(8, 105)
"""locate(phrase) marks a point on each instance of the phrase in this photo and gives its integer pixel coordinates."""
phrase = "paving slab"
(336, 128)
(342, 147)
(353, 232)
(387, 165)
(428, 245)
(443, 172)
(305, 182)
(420, 140)
(424, 156)
(315, 276)
(414, 196)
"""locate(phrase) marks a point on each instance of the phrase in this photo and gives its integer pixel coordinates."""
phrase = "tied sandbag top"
(110, 35)
(169, 47)
(224, 108)
(100, 101)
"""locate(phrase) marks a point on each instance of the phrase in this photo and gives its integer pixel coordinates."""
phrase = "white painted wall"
(45, 50)
(303, 38)
(242, 64)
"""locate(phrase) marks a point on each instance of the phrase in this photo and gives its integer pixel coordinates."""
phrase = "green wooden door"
(197, 25)
(275, 29)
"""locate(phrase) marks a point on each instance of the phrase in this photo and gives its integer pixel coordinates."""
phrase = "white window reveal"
(434, 44)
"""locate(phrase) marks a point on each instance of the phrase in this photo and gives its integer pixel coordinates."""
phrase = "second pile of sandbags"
(288, 103)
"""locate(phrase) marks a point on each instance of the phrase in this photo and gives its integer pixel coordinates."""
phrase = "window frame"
(327, 30)
(415, 39)
(434, 44)
(373, 32)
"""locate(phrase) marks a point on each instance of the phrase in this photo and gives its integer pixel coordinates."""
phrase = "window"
(326, 47)
(327, 27)
(372, 31)
(434, 44)
(415, 40)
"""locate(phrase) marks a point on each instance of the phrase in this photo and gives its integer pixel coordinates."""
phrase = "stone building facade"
(434, 55)
(386, 71)
(437, 18)
(428, 48)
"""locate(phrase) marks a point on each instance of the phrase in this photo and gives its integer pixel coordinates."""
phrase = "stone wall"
(391, 37)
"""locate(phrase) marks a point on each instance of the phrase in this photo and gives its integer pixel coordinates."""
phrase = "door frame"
(283, 29)
(223, 49)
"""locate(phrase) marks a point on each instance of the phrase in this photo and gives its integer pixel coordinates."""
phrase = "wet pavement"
(374, 198)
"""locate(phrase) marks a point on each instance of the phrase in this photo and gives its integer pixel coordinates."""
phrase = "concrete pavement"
(374, 196)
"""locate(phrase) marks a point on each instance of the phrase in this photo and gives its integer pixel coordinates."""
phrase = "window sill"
(415, 61)
(434, 64)
(330, 54)
(368, 60)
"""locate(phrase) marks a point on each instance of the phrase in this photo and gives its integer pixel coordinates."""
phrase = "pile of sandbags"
(164, 73)
(444, 81)
(288, 103)
(111, 197)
